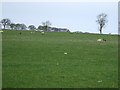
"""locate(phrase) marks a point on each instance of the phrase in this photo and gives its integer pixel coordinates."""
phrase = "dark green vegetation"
(33, 60)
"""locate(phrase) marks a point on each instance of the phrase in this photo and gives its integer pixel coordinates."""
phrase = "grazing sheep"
(101, 40)
(42, 33)
(1, 31)
(65, 53)
(100, 81)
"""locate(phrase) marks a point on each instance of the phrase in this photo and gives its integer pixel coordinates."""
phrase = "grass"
(33, 60)
(0, 61)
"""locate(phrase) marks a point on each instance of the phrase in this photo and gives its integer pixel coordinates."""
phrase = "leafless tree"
(101, 20)
(46, 24)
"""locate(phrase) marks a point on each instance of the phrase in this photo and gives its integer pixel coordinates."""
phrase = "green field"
(33, 60)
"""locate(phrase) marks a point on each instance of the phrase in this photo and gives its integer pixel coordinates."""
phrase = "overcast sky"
(76, 16)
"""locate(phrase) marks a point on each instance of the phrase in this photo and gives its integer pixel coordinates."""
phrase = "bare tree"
(46, 24)
(101, 20)
(5, 22)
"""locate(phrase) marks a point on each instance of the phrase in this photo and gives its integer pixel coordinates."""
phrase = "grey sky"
(76, 16)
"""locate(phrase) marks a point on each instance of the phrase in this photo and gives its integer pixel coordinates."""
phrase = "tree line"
(45, 26)
(101, 21)
(7, 23)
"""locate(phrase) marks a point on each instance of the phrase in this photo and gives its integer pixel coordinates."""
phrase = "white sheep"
(1, 31)
(100, 81)
(65, 53)
(42, 33)
(100, 40)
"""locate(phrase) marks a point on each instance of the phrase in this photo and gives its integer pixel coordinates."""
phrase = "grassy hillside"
(33, 60)
(0, 61)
